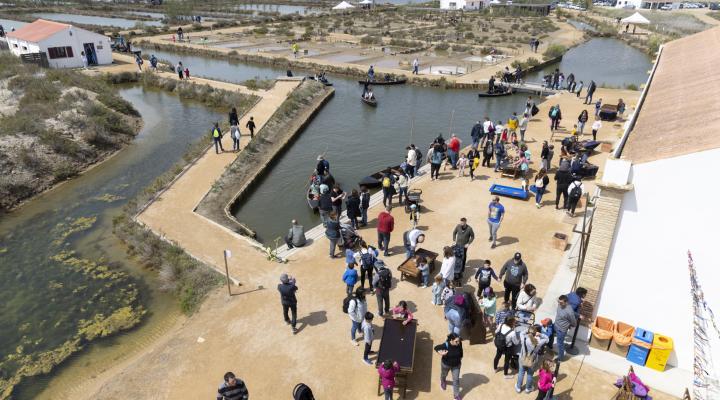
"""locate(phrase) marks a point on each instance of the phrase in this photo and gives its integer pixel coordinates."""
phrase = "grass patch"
(554, 51)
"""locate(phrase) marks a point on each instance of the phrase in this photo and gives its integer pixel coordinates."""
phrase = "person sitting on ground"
(295, 236)
(402, 312)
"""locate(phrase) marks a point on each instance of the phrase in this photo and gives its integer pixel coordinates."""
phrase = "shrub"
(261, 30)
(117, 103)
(368, 39)
(554, 51)
(442, 46)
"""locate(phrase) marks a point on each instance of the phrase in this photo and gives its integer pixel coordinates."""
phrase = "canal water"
(609, 62)
(95, 20)
(44, 299)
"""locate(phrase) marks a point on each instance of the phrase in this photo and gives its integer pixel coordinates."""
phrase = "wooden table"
(398, 344)
(409, 267)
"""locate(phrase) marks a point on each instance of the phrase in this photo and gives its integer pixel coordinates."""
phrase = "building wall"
(623, 3)
(452, 4)
(671, 210)
(63, 38)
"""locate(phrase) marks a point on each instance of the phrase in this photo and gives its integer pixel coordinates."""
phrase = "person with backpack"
(575, 191)
(364, 205)
(387, 371)
(388, 187)
(487, 154)
(463, 236)
(287, 289)
(411, 161)
(435, 157)
(505, 339)
(541, 183)
(332, 232)
(517, 276)
(352, 205)
(368, 336)
(382, 282)
(385, 226)
(368, 256)
(418, 158)
(355, 307)
(232, 388)
(531, 342)
(455, 312)
(452, 354)
(217, 138)
(411, 240)
(500, 155)
(489, 131)
(555, 116)
(350, 277)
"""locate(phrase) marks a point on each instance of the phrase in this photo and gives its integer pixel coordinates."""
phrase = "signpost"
(226, 255)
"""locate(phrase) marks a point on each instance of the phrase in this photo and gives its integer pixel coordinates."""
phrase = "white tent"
(366, 2)
(343, 6)
(636, 19)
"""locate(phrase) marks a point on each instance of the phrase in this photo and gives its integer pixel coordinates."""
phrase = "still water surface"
(95, 20)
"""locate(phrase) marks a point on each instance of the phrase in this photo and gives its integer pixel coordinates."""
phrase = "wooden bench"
(409, 268)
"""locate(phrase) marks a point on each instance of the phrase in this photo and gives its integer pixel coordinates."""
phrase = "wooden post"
(227, 271)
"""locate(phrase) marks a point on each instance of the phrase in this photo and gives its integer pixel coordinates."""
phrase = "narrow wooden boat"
(375, 180)
(370, 102)
(399, 81)
(496, 94)
(312, 202)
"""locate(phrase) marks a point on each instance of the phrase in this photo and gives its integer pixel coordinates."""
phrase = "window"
(24, 48)
(60, 52)
(15, 45)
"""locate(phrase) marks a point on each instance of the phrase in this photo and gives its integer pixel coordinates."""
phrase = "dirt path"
(245, 333)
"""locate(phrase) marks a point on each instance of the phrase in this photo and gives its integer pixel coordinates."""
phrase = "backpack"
(302, 392)
(346, 303)
(576, 192)
(491, 128)
(554, 112)
(384, 279)
(500, 340)
(367, 260)
(386, 182)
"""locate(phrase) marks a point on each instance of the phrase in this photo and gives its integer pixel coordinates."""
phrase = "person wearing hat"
(516, 274)
(288, 300)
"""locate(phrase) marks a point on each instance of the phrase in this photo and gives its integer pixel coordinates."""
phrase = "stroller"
(413, 197)
(350, 238)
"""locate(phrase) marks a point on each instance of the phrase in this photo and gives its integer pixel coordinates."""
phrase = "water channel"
(95, 20)
(44, 299)
(355, 138)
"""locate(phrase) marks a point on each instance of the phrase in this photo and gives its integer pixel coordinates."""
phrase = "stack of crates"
(640, 347)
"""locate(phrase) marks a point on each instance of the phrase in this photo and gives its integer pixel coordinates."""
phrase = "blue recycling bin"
(640, 347)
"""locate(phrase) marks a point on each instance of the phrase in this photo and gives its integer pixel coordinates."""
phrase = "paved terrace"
(245, 332)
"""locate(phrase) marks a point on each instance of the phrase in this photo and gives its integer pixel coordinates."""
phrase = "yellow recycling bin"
(661, 348)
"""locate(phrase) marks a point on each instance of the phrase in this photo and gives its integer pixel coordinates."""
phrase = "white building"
(647, 4)
(63, 44)
(658, 200)
(463, 4)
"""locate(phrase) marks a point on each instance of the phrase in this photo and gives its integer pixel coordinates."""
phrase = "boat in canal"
(313, 203)
(394, 81)
(372, 102)
(324, 81)
(374, 180)
(497, 93)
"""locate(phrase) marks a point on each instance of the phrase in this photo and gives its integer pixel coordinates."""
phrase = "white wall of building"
(463, 4)
(627, 3)
(672, 209)
(62, 39)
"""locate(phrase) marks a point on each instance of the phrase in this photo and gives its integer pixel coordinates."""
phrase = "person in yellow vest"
(513, 123)
(295, 48)
(217, 138)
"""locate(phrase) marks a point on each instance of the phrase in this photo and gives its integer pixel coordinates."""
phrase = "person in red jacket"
(385, 226)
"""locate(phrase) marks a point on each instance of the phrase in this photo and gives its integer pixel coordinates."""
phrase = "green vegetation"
(554, 51)
(259, 84)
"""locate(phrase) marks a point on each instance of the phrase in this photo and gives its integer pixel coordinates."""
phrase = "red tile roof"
(38, 30)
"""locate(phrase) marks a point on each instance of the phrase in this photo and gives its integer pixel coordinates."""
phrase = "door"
(89, 49)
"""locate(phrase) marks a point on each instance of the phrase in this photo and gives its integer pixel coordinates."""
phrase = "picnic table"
(409, 268)
(398, 344)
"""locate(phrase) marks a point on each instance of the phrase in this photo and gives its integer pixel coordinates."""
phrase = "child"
(483, 275)
(598, 105)
(368, 334)
(414, 215)
(401, 311)
(574, 130)
(437, 289)
(547, 328)
(424, 269)
(187, 73)
(448, 292)
(350, 256)
(489, 305)
(387, 372)
(596, 127)
(462, 164)
(350, 277)
(501, 315)
(546, 380)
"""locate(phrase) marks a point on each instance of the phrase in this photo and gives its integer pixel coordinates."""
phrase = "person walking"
(251, 126)
(287, 289)
(596, 127)
(496, 213)
(388, 186)
(562, 181)
(357, 308)
(435, 157)
(531, 342)
(555, 116)
(453, 150)
(416, 66)
(385, 226)
(382, 282)
(544, 162)
(473, 161)
(505, 339)
(500, 155)
(179, 70)
(295, 236)
(217, 138)
(516, 275)
(153, 63)
(368, 256)
(451, 353)
(332, 232)
(590, 91)
(582, 119)
(411, 161)
(403, 182)
(364, 205)
(564, 320)
(575, 191)
(234, 129)
(463, 235)
(350, 277)
(487, 153)
(387, 371)
(523, 126)
(476, 134)
(232, 388)
(368, 336)
(352, 205)
(541, 183)
(411, 241)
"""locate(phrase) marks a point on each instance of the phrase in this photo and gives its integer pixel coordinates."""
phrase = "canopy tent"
(636, 19)
(366, 2)
(343, 6)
